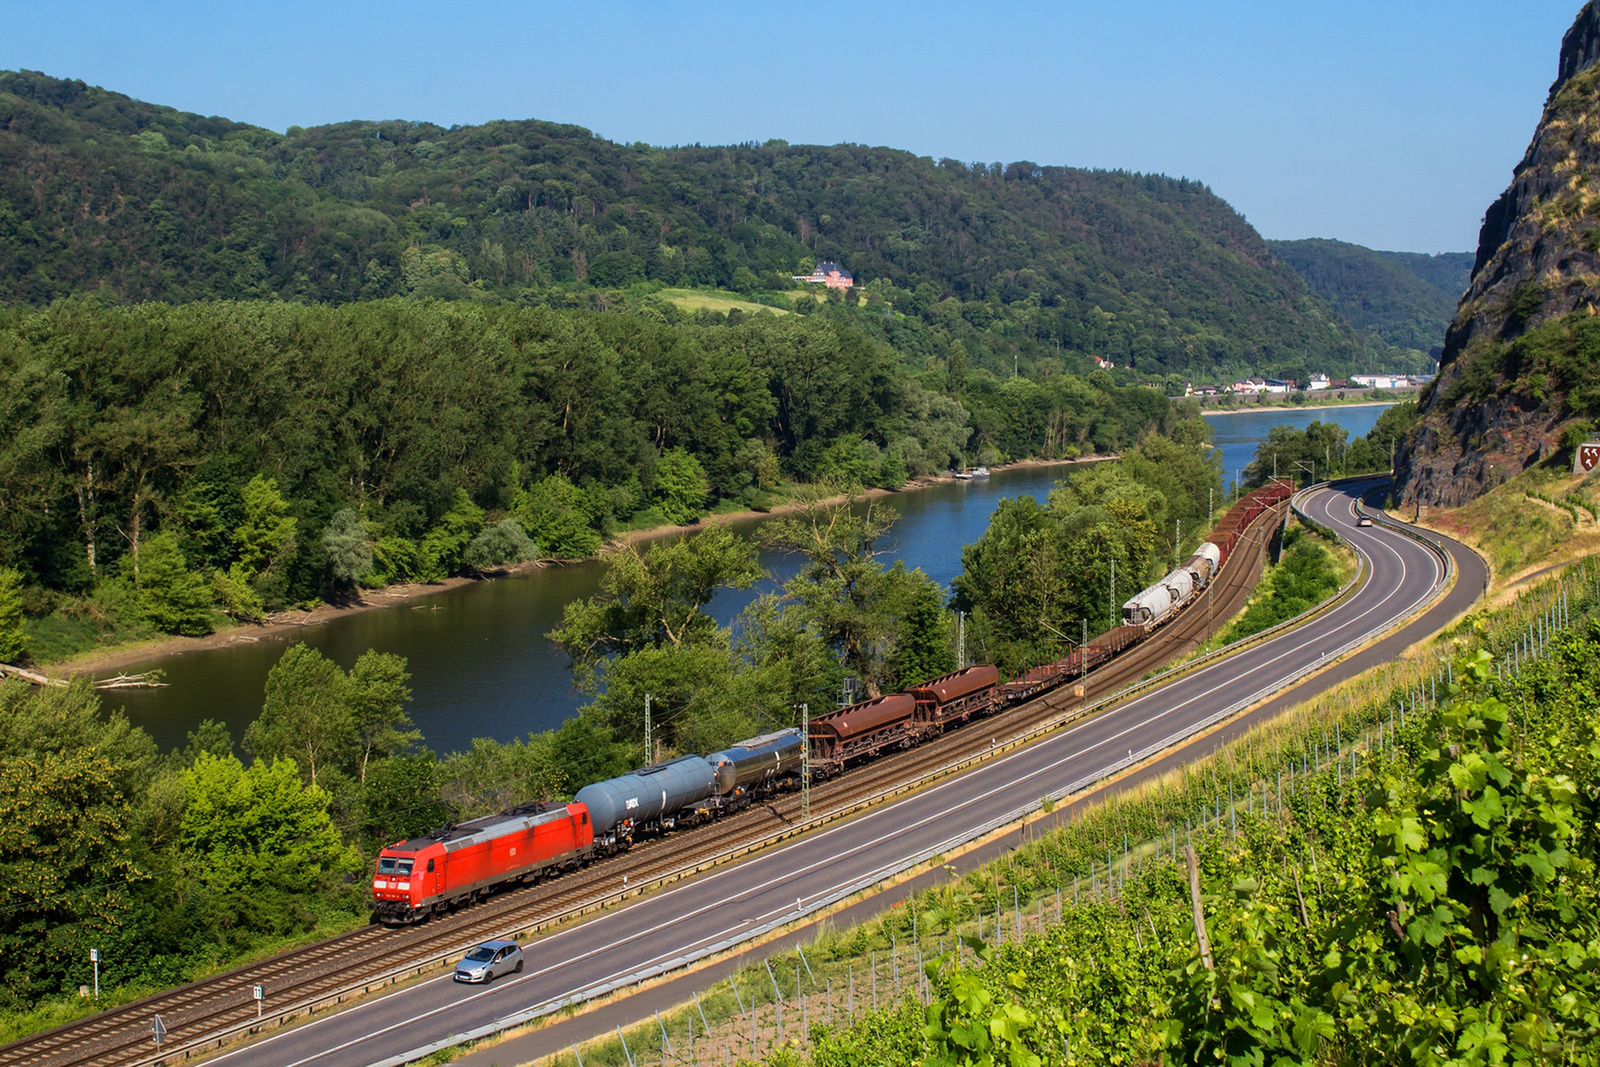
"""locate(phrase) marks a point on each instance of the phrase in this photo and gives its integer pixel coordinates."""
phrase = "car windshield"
(480, 955)
(391, 865)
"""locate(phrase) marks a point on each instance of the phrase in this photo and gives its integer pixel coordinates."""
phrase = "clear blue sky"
(1392, 124)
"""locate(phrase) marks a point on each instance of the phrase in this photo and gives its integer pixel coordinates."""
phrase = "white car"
(489, 961)
(1365, 520)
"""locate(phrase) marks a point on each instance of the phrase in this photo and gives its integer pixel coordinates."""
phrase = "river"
(481, 665)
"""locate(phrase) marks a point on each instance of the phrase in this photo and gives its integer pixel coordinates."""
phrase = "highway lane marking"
(1324, 500)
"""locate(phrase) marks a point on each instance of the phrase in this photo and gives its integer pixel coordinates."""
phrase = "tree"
(13, 641)
(655, 597)
(842, 589)
(305, 714)
(681, 487)
(348, 546)
(956, 368)
(376, 692)
(498, 545)
(64, 846)
(268, 530)
(172, 598)
(259, 840)
(552, 512)
(443, 546)
(923, 647)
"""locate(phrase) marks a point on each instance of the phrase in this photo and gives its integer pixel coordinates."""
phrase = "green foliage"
(257, 840)
(348, 547)
(267, 532)
(681, 487)
(235, 596)
(13, 641)
(443, 548)
(1024, 260)
(559, 517)
(1406, 300)
(1304, 577)
(64, 845)
(172, 598)
(498, 545)
(876, 619)
(654, 597)
(320, 717)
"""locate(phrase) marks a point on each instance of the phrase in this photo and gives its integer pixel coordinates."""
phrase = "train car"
(1205, 563)
(760, 763)
(862, 730)
(957, 697)
(424, 875)
(659, 797)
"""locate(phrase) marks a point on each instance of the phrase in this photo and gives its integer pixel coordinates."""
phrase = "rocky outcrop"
(1493, 412)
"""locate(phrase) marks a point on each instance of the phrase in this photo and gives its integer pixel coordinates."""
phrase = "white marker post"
(94, 958)
(159, 1030)
(255, 991)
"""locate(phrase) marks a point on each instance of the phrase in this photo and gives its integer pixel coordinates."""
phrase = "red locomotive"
(428, 874)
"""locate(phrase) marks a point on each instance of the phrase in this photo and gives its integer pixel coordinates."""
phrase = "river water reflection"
(481, 665)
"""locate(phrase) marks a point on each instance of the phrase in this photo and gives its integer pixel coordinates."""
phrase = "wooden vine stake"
(1199, 912)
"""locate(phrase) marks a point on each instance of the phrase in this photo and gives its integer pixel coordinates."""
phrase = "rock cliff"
(1519, 372)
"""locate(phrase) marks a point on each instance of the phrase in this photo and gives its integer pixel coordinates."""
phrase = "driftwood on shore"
(145, 680)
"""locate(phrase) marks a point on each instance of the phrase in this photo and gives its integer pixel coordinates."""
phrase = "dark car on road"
(489, 961)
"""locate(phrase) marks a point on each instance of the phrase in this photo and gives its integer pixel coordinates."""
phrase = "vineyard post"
(1199, 911)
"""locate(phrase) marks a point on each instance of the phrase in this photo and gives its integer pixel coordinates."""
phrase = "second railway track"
(120, 1037)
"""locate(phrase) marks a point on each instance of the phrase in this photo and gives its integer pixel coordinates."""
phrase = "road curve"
(766, 887)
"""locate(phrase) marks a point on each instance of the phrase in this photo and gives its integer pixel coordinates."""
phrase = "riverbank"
(143, 653)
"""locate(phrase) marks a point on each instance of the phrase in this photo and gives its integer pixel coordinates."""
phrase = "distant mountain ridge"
(102, 193)
(1520, 374)
(1404, 299)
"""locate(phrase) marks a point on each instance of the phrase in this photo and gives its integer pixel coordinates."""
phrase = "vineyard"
(1402, 872)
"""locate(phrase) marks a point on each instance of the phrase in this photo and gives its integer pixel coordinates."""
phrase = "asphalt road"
(768, 886)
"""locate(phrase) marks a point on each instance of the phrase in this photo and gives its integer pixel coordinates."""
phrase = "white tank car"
(1154, 604)
(1148, 608)
(1204, 563)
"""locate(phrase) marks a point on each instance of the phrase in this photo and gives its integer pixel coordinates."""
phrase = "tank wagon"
(761, 764)
(658, 797)
(455, 866)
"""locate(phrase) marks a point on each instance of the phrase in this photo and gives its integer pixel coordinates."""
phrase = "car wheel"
(519, 966)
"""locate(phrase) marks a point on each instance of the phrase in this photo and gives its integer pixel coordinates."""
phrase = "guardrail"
(355, 990)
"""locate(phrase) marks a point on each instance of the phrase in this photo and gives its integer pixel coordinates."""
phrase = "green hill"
(100, 192)
(1402, 299)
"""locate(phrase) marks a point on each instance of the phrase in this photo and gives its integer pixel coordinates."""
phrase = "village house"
(1104, 364)
(1380, 381)
(1318, 381)
(827, 273)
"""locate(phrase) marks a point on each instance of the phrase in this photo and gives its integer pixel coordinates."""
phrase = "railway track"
(120, 1037)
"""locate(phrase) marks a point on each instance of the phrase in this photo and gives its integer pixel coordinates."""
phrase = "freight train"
(462, 863)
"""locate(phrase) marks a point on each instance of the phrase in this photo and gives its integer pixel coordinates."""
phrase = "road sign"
(159, 1029)
(1587, 458)
(256, 992)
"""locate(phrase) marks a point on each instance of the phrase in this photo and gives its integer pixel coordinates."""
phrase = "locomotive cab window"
(391, 865)
(430, 865)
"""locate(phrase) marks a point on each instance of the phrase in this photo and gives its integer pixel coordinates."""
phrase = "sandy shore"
(142, 653)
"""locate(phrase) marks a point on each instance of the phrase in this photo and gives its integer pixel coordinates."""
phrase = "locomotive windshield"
(391, 865)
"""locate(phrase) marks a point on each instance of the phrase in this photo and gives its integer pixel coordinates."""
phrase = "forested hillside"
(1041, 265)
(167, 461)
(1402, 299)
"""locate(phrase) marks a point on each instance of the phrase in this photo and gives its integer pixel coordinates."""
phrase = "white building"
(1380, 381)
(1318, 381)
